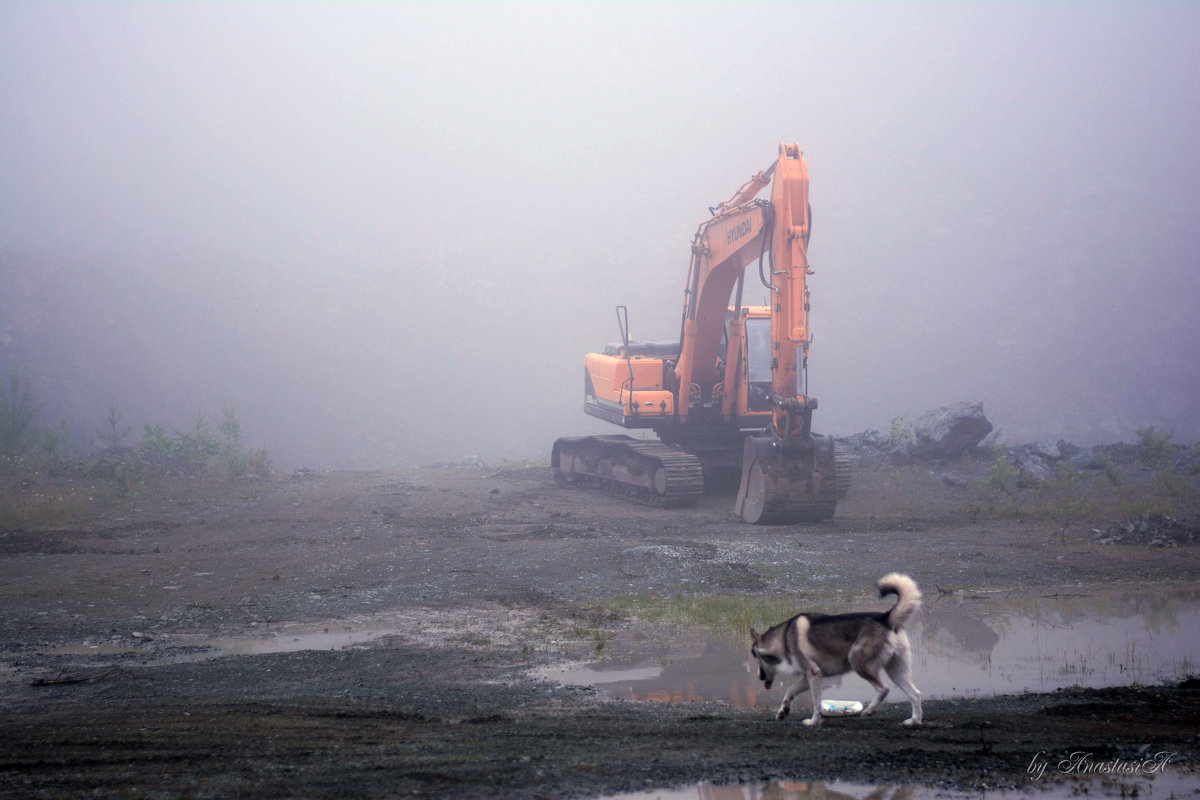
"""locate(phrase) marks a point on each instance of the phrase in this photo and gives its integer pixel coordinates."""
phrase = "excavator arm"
(789, 474)
(789, 291)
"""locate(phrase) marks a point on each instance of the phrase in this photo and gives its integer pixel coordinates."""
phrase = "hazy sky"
(388, 233)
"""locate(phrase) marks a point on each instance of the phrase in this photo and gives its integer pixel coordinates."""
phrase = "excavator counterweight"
(735, 383)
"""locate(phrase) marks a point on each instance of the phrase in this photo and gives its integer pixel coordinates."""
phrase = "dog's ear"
(754, 635)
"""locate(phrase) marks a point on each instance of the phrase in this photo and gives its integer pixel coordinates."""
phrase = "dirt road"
(482, 575)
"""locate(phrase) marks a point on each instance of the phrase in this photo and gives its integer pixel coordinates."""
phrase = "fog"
(388, 233)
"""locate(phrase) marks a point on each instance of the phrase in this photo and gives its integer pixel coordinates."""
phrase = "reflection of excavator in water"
(735, 382)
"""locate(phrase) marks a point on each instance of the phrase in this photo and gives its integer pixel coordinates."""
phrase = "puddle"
(288, 639)
(977, 646)
(294, 638)
(91, 650)
(1161, 785)
(496, 626)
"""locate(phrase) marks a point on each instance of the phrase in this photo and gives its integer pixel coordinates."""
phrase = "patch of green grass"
(599, 637)
(723, 614)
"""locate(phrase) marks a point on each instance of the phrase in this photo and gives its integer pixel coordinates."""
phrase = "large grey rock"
(950, 431)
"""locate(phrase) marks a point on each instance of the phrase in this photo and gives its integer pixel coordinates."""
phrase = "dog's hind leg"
(799, 687)
(864, 662)
(900, 671)
(881, 692)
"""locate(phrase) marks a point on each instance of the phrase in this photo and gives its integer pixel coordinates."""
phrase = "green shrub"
(197, 445)
(241, 464)
(1109, 468)
(155, 440)
(901, 431)
(1154, 447)
(1002, 474)
(1066, 498)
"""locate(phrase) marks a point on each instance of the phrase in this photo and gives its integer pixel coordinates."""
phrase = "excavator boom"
(788, 473)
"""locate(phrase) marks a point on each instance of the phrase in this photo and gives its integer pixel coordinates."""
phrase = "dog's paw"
(783, 712)
(812, 722)
(911, 723)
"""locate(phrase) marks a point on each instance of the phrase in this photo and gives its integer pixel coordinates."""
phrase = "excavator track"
(841, 467)
(646, 472)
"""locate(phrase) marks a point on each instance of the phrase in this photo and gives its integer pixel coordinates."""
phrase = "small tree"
(17, 412)
(1066, 500)
(56, 444)
(155, 440)
(230, 427)
(115, 433)
(199, 445)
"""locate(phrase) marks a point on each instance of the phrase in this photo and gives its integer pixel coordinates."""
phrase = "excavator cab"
(758, 365)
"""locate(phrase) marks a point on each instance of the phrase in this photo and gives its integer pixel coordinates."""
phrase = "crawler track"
(646, 472)
(841, 467)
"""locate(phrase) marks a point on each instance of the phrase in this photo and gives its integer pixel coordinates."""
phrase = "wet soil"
(481, 576)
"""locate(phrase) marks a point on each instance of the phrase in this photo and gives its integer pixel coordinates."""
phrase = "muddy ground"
(483, 574)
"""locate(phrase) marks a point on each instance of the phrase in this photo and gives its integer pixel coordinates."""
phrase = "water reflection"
(1012, 642)
(1163, 786)
(780, 790)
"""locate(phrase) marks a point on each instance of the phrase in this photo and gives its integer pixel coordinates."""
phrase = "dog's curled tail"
(909, 598)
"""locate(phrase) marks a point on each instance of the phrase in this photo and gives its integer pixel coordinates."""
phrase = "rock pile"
(1039, 460)
(1157, 530)
(952, 431)
(941, 433)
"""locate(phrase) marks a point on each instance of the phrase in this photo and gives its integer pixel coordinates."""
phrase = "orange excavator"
(734, 384)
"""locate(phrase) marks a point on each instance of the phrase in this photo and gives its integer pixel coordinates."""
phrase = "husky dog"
(814, 646)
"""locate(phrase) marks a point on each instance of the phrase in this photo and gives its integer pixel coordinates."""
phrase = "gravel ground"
(483, 575)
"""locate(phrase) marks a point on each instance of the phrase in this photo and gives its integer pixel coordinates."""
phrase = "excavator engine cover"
(796, 481)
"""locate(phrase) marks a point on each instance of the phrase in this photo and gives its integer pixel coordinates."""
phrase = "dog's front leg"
(814, 690)
(799, 687)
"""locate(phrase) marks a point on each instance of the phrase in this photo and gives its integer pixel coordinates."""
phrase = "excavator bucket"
(799, 481)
